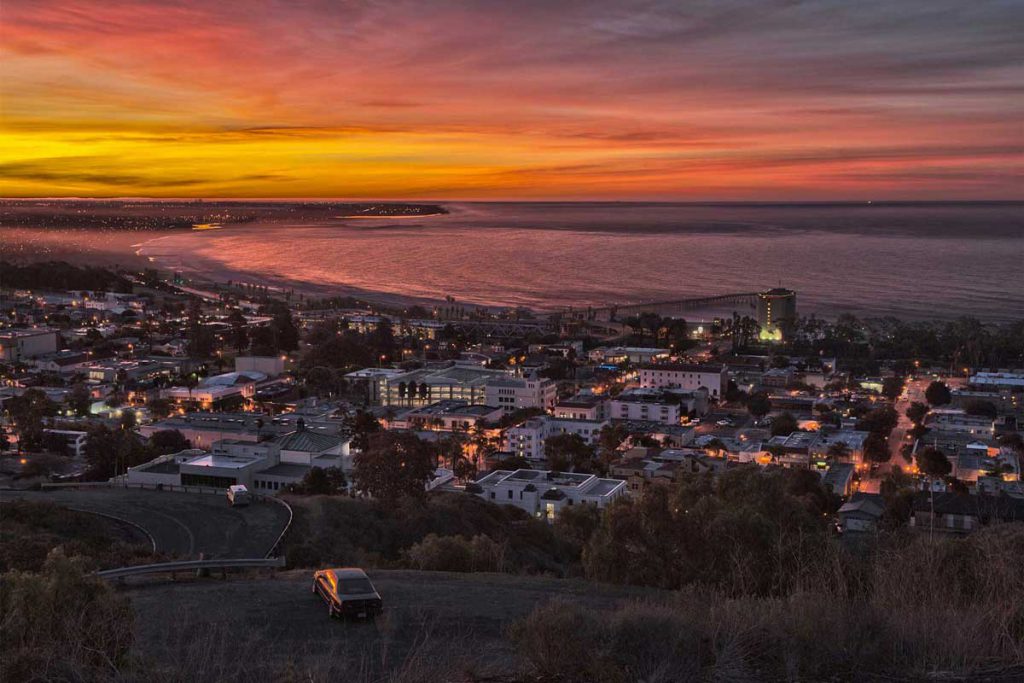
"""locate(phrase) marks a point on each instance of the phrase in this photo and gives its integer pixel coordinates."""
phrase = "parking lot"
(181, 524)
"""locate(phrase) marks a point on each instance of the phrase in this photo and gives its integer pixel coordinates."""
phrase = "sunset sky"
(851, 99)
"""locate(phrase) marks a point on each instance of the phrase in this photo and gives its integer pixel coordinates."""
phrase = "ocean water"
(915, 260)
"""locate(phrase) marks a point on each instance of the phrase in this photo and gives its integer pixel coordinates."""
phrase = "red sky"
(918, 99)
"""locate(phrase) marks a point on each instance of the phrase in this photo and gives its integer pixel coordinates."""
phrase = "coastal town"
(145, 380)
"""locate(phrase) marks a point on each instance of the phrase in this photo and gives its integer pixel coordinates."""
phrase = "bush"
(62, 624)
(336, 531)
(457, 554)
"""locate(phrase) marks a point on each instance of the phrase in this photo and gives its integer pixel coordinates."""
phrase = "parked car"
(348, 592)
(724, 423)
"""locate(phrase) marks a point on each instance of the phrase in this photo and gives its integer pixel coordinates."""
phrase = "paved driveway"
(182, 524)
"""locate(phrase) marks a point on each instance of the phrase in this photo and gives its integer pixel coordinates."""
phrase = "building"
(861, 513)
(204, 429)
(450, 416)
(998, 380)
(776, 312)
(527, 440)
(957, 421)
(645, 404)
(374, 381)
(18, 345)
(582, 407)
(271, 366)
(265, 466)
(689, 376)
(447, 381)
(961, 513)
(628, 354)
(545, 494)
(74, 441)
(518, 393)
(218, 391)
(852, 440)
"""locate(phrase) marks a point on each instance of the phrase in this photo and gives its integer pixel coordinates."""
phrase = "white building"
(957, 421)
(714, 378)
(17, 345)
(264, 466)
(217, 390)
(516, 393)
(527, 440)
(545, 494)
(582, 407)
(451, 416)
(644, 404)
(631, 354)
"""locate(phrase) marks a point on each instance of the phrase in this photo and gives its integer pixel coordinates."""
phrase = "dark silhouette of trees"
(393, 466)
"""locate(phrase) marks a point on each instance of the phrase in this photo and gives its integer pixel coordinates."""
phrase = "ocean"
(909, 260)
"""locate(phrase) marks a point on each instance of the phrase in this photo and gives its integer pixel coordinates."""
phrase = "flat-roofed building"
(451, 416)
(518, 393)
(527, 440)
(582, 407)
(544, 494)
(690, 376)
(448, 381)
(18, 345)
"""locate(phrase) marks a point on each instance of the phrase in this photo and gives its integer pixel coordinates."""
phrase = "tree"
(938, 394)
(916, 412)
(168, 441)
(981, 407)
(565, 452)
(879, 421)
(784, 424)
(79, 400)
(160, 408)
(362, 425)
(759, 404)
(876, 448)
(109, 452)
(892, 387)
(933, 463)
(321, 481)
(394, 465)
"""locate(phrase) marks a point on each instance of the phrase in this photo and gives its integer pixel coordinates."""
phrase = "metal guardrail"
(287, 526)
(188, 565)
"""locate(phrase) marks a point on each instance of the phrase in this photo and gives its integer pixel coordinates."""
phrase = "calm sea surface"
(907, 260)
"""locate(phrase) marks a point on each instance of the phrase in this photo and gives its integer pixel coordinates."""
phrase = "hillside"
(437, 625)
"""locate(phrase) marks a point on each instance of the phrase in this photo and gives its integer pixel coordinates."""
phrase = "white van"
(238, 495)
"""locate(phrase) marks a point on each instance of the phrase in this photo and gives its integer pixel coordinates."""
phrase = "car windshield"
(354, 586)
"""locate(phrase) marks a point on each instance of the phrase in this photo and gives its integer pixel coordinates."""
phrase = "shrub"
(62, 624)
(457, 554)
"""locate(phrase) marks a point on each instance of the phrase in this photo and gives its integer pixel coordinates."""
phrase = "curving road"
(181, 524)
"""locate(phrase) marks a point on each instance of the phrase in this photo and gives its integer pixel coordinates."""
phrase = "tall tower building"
(776, 312)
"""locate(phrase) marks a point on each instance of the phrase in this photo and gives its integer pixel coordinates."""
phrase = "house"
(838, 478)
(961, 513)
(63, 362)
(861, 513)
(544, 494)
